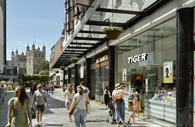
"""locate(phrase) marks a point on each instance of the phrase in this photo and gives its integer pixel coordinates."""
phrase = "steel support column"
(184, 81)
(111, 54)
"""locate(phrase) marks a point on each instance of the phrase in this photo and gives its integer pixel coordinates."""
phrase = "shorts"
(40, 108)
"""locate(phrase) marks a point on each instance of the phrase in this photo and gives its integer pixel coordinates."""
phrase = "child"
(131, 112)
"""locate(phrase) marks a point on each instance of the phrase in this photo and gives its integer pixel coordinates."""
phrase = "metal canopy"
(76, 43)
(87, 38)
(101, 23)
(90, 35)
(117, 11)
(90, 32)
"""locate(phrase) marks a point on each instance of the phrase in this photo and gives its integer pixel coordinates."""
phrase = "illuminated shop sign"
(137, 58)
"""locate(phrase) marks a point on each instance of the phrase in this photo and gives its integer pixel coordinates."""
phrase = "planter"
(112, 32)
(74, 59)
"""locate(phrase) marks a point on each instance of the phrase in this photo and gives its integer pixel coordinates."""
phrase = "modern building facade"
(34, 56)
(154, 55)
(2, 35)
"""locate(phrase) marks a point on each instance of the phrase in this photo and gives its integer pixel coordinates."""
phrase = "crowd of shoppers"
(20, 107)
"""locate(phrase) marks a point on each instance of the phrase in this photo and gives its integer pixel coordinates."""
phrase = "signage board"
(168, 72)
(137, 58)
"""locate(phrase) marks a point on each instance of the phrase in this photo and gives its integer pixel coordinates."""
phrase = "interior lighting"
(164, 15)
(188, 2)
(142, 27)
(101, 50)
(120, 39)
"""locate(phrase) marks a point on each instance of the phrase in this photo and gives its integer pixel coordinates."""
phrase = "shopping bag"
(33, 113)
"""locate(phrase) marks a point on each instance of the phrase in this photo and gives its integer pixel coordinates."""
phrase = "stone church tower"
(19, 62)
(33, 58)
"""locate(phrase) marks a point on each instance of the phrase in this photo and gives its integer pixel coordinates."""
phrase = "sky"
(33, 21)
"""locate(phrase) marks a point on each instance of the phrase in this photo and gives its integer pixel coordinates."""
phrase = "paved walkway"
(55, 114)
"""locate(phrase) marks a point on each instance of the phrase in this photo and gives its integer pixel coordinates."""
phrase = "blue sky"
(38, 21)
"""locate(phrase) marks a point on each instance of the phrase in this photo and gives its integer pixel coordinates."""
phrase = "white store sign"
(137, 58)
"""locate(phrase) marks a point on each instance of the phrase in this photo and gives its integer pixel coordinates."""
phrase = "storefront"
(147, 62)
(100, 78)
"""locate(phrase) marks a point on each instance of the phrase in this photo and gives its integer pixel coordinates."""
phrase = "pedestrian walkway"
(55, 114)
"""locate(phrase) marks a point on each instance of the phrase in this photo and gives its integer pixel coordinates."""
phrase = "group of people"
(76, 104)
(118, 103)
(19, 107)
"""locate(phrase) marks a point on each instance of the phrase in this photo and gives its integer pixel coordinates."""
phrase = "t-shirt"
(118, 94)
(39, 97)
(81, 101)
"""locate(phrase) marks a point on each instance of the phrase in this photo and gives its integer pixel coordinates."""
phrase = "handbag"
(72, 110)
(33, 113)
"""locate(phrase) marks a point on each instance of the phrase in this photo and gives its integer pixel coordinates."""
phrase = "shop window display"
(154, 77)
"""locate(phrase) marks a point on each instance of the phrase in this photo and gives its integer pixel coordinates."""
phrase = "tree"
(43, 67)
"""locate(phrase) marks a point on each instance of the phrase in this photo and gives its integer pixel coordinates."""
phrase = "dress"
(19, 112)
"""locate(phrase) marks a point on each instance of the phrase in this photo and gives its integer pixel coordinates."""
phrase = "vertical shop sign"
(168, 72)
(124, 74)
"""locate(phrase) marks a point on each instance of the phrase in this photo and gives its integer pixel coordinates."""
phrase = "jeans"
(119, 111)
(79, 117)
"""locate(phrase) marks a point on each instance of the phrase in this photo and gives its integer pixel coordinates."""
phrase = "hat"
(135, 93)
(118, 86)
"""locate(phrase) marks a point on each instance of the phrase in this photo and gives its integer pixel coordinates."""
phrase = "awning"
(88, 34)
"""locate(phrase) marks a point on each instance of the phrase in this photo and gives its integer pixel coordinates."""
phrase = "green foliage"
(44, 65)
(36, 77)
(74, 59)
(111, 28)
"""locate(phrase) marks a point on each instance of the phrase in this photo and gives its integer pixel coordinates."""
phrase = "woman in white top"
(79, 105)
(68, 98)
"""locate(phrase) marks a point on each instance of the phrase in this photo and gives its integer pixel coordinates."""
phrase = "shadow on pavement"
(96, 120)
(52, 103)
(53, 125)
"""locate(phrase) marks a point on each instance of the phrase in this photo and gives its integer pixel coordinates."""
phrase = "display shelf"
(162, 110)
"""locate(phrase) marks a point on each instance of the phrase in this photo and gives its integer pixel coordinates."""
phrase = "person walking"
(40, 100)
(68, 98)
(119, 104)
(78, 107)
(137, 103)
(19, 109)
(106, 96)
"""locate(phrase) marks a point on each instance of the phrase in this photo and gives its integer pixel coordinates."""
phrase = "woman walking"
(78, 107)
(119, 104)
(19, 109)
(68, 98)
(40, 101)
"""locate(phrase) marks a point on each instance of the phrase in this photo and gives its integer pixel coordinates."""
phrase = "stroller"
(111, 112)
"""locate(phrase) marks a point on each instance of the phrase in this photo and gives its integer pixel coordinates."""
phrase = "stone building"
(18, 62)
(34, 56)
